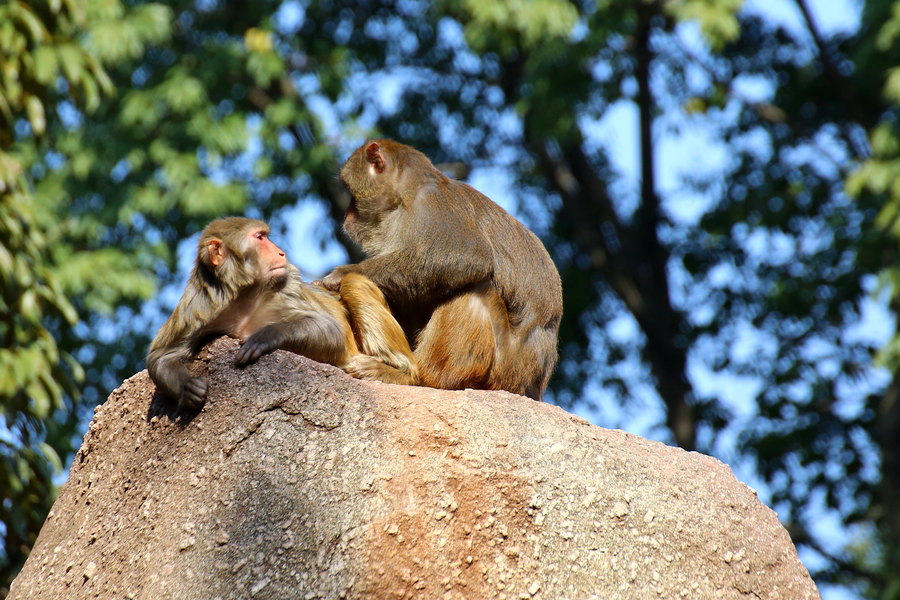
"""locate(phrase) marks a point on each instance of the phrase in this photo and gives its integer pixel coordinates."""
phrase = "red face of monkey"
(272, 260)
(241, 254)
(271, 257)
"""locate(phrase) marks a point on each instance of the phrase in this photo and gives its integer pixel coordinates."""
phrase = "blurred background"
(717, 181)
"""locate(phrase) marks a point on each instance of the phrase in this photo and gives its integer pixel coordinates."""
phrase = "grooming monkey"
(474, 290)
(242, 285)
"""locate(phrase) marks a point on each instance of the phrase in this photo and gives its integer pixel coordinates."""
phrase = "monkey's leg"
(457, 348)
(528, 361)
(387, 355)
(470, 343)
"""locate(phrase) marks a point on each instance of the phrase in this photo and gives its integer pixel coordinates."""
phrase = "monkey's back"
(524, 273)
(529, 286)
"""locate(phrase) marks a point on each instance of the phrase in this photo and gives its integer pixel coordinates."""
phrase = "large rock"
(296, 481)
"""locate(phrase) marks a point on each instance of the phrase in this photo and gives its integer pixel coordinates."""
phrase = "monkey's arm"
(167, 369)
(440, 255)
(316, 335)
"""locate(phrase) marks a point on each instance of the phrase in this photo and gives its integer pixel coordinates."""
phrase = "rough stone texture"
(296, 481)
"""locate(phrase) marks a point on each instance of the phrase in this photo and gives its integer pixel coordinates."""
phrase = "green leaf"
(892, 85)
(884, 140)
(205, 199)
(890, 30)
(184, 94)
(36, 116)
(45, 65)
(72, 62)
(40, 402)
(51, 456)
(22, 13)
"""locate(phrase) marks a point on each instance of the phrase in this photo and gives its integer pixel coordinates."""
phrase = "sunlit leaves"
(115, 38)
(111, 274)
(258, 40)
(219, 137)
(892, 86)
(265, 67)
(182, 93)
(890, 30)
(517, 23)
(282, 113)
(34, 108)
(141, 109)
(717, 18)
(879, 175)
(34, 57)
(48, 66)
(204, 197)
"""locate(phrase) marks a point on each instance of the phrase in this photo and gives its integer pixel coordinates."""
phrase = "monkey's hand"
(257, 345)
(332, 281)
(193, 394)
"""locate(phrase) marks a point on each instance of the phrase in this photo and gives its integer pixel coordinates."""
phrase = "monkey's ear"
(375, 157)
(216, 252)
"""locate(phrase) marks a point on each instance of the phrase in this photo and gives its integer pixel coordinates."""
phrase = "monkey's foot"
(363, 366)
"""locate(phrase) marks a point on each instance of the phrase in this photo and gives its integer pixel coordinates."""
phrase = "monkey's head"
(237, 253)
(382, 176)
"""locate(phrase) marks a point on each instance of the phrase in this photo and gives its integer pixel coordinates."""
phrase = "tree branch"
(660, 323)
(839, 82)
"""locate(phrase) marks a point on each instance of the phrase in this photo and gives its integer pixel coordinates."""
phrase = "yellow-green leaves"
(113, 38)
(30, 374)
(890, 31)
(258, 40)
(717, 18)
(109, 273)
(892, 85)
(514, 22)
(33, 58)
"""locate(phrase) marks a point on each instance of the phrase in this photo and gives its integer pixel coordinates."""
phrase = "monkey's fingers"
(193, 396)
(332, 281)
(250, 352)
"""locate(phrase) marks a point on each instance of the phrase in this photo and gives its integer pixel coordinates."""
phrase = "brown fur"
(474, 290)
(234, 291)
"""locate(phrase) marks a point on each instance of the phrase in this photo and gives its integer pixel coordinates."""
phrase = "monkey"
(242, 285)
(475, 291)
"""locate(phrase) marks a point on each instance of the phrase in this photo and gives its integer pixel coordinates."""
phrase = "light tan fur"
(262, 300)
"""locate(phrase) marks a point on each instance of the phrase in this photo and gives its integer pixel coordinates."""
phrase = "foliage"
(46, 62)
(753, 264)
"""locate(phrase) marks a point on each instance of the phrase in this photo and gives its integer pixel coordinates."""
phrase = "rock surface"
(296, 481)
